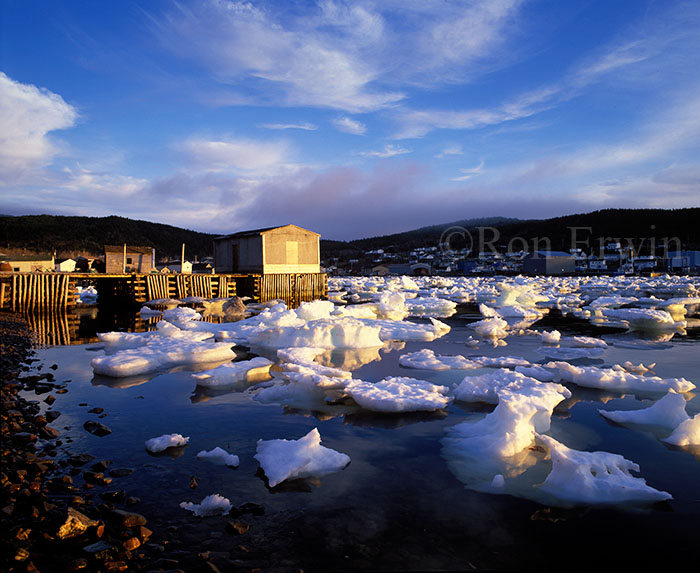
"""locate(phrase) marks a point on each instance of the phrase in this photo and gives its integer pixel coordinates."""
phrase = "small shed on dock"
(549, 263)
(31, 263)
(286, 249)
(127, 259)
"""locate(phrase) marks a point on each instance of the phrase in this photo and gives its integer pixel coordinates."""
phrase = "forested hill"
(70, 236)
(642, 225)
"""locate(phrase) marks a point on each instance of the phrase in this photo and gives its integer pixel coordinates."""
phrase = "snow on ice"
(594, 477)
(295, 459)
(219, 456)
(162, 443)
(211, 505)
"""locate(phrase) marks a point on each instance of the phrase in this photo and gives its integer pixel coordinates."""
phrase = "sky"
(352, 119)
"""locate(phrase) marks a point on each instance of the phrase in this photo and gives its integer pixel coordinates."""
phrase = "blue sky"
(352, 119)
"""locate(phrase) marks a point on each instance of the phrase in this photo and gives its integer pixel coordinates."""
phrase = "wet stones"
(75, 524)
(237, 527)
(96, 428)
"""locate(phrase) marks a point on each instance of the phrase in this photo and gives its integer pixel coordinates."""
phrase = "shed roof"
(264, 230)
(129, 249)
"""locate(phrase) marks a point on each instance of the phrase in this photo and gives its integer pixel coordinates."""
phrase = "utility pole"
(182, 259)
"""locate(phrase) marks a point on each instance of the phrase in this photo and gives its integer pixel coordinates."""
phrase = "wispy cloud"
(450, 151)
(388, 151)
(349, 125)
(469, 172)
(282, 126)
(341, 55)
(234, 154)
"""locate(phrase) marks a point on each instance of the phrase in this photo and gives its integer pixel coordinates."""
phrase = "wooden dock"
(25, 291)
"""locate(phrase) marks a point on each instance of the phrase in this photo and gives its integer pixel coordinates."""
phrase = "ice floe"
(292, 459)
(219, 456)
(162, 443)
(582, 477)
(426, 359)
(616, 379)
(211, 505)
(485, 387)
(398, 394)
(668, 412)
(240, 373)
(511, 427)
(687, 433)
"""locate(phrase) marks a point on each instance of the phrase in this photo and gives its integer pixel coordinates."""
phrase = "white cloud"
(469, 172)
(387, 151)
(448, 151)
(27, 115)
(235, 154)
(340, 54)
(309, 58)
(349, 125)
(282, 126)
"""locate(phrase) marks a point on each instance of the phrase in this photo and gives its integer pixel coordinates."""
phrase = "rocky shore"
(52, 519)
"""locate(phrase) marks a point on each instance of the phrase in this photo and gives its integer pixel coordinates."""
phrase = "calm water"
(397, 506)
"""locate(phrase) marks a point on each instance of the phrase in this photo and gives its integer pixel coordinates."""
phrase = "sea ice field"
(406, 423)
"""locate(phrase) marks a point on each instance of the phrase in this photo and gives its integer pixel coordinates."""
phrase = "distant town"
(614, 259)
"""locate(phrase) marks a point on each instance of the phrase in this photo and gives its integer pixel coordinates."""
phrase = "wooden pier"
(25, 291)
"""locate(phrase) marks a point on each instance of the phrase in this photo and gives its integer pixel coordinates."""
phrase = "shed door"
(292, 252)
(235, 255)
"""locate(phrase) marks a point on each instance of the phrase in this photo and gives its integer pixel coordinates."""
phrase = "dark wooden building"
(128, 259)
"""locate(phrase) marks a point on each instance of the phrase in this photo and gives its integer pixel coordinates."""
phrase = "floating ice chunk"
(87, 295)
(616, 379)
(570, 353)
(687, 433)
(612, 301)
(181, 316)
(488, 312)
(517, 311)
(585, 342)
(500, 361)
(170, 330)
(235, 373)
(146, 312)
(644, 319)
(214, 504)
(667, 412)
(426, 359)
(404, 330)
(431, 306)
(551, 337)
(161, 443)
(315, 309)
(485, 387)
(498, 481)
(219, 456)
(595, 477)
(321, 333)
(510, 428)
(398, 394)
(491, 327)
(306, 457)
(638, 368)
(537, 372)
(115, 341)
(160, 353)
